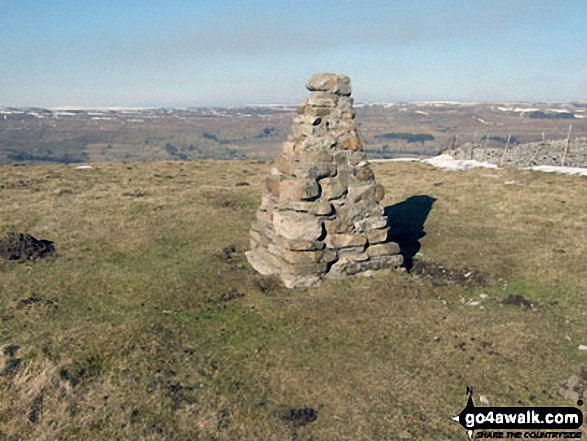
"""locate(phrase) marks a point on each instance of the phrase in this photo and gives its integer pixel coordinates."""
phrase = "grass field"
(150, 324)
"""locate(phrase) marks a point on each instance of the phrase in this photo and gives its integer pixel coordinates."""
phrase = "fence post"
(505, 149)
(567, 145)
(485, 146)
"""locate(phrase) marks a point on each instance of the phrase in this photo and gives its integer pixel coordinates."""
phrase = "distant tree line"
(214, 137)
(173, 151)
(501, 139)
(65, 159)
(197, 152)
(539, 114)
(408, 137)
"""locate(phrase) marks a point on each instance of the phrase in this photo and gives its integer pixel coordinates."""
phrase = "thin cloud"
(236, 36)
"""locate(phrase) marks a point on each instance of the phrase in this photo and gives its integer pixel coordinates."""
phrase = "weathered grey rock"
(383, 249)
(262, 262)
(298, 244)
(298, 226)
(377, 236)
(340, 241)
(323, 99)
(353, 254)
(329, 82)
(298, 189)
(320, 214)
(332, 188)
(372, 223)
(303, 257)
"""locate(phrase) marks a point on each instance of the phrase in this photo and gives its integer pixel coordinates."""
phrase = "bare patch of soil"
(22, 247)
(11, 367)
(229, 253)
(440, 275)
(516, 300)
(231, 295)
(301, 417)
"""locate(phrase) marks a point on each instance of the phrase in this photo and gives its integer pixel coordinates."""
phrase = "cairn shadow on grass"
(406, 221)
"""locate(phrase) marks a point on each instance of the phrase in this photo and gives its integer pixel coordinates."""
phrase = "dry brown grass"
(136, 334)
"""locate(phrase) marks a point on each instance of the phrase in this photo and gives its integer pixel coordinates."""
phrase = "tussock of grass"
(150, 324)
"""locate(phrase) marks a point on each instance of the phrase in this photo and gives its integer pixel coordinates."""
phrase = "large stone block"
(322, 99)
(303, 257)
(338, 241)
(332, 188)
(265, 229)
(259, 239)
(308, 130)
(308, 120)
(298, 244)
(345, 104)
(262, 261)
(377, 236)
(353, 254)
(322, 207)
(385, 262)
(351, 143)
(342, 124)
(316, 111)
(300, 206)
(329, 82)
(361, 193)
(344, 86)
(353, 212)
(298, 189)
(317, 207)
(344, 268)
(367, 193)
(364, 173)
(337, 226)
(273, 185)
(310, 145)
(348, 267)
(298, 226)
(283, 163)
(371, 223)
(314, 152)
(383, 249)
(305, 269)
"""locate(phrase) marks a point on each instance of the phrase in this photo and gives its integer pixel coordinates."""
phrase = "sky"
(91, 53)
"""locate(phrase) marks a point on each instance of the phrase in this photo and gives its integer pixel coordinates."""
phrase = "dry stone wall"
(550, 152)
(320, 214)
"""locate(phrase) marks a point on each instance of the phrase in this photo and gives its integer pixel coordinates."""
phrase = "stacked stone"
(320, 214)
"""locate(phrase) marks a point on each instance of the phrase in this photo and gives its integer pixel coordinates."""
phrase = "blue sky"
(228, 52)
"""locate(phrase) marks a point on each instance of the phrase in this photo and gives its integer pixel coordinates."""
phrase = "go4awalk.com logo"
(520, 422)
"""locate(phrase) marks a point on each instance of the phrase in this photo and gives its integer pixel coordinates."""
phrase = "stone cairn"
(320, 214)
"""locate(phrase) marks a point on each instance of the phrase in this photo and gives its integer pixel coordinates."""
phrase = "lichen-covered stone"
(329, 82)
(332, 188)
(340, 241)
(298, 189)
(383, 249)
(296, 226)
(377, 236)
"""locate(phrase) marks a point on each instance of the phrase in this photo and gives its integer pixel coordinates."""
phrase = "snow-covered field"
(447, 162)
